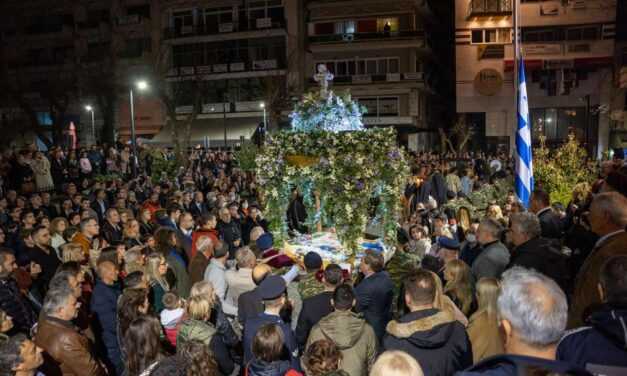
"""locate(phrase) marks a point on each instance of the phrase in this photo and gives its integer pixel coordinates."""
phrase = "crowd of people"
(144, 275)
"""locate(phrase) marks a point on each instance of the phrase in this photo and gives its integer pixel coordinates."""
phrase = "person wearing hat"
(309, 285)
(272, 292)
(275, 259)
(448, 249)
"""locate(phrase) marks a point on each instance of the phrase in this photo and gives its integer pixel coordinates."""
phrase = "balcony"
(223, 28)
(232, 69)
(489, 8)
(358, 37)
(361, 79)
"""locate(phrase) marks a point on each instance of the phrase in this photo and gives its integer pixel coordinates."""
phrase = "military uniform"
(309, 286)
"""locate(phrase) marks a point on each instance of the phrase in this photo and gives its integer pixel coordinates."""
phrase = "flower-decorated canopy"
(357, 173)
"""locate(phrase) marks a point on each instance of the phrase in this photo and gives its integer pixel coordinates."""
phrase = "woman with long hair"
(167, 242)
(442, 302)
(483, 327)
(143, 346)
(459, 285)
(323, 358)
(133, 303)
(199, 359)
(156, 270)
(197, 326)
(132, 234)
(217, 317)
(57, 226)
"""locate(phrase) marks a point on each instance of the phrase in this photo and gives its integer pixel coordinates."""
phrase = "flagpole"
(516, 60)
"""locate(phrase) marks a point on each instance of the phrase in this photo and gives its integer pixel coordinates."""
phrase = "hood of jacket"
(430, 328)
(259, 367)
(344, 327)
(611, 321)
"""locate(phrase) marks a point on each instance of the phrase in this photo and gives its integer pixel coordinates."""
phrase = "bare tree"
(459, 135)
(170, 92)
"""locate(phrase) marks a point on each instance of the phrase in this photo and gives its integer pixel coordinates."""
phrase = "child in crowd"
(172, 315)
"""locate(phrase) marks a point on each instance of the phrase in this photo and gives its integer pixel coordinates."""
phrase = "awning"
(212, 130)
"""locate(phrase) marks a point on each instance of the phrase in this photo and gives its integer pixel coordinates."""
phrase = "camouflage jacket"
(309, 286)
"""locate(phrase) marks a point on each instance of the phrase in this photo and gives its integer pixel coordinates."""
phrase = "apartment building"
(381, 52)
(53, 52)
(569, 49)
(241, 51)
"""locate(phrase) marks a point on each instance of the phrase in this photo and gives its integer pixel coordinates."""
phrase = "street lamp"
(262, 105)
(141, 86)
(89, 108)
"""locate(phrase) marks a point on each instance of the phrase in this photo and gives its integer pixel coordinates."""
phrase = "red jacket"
(213, 234)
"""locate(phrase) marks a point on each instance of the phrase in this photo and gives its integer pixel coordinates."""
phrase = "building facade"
(55, 53)
(381, 52)
(569, 52)
(244, 52)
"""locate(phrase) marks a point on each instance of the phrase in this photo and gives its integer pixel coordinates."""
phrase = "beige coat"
(238, 282)
(586, 290)
(485, 337)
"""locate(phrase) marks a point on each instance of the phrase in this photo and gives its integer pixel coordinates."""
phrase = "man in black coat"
(318, 306)
(43, 255)
(433, 337)
(11, 299)
(230, 231)
(198, 207)
(375, 292)
(604, 342)
(252, 220)
(111, 230)
(100, 205)
(550, 222)
(535, 252)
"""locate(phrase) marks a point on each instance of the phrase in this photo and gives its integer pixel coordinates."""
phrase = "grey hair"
(203, 243)
(85, 222)
(534, 305)
(493, 227)
(614, 204)
(528, 223)
(56, 298)
(245, 257)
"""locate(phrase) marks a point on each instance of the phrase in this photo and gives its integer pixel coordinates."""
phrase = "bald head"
(260, 272)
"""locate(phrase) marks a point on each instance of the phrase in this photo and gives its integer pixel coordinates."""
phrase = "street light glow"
(262, 105)
(89, 108)
(142, 85)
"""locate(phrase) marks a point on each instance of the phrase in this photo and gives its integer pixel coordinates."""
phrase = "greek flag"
(524, 164)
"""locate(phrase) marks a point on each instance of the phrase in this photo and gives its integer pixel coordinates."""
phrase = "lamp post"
(141, 86)
(89, 108)
(262, 105)
(224, 103)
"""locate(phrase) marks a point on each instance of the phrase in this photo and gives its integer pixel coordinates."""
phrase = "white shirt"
(216, 275)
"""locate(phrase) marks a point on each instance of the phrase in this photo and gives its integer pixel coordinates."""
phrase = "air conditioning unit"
(348, 37)
(226, 27)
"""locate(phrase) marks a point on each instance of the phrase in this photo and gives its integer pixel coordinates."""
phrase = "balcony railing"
(228, 67)
(372, 78)
(223, 28)
(481, 8)
(343, 38)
